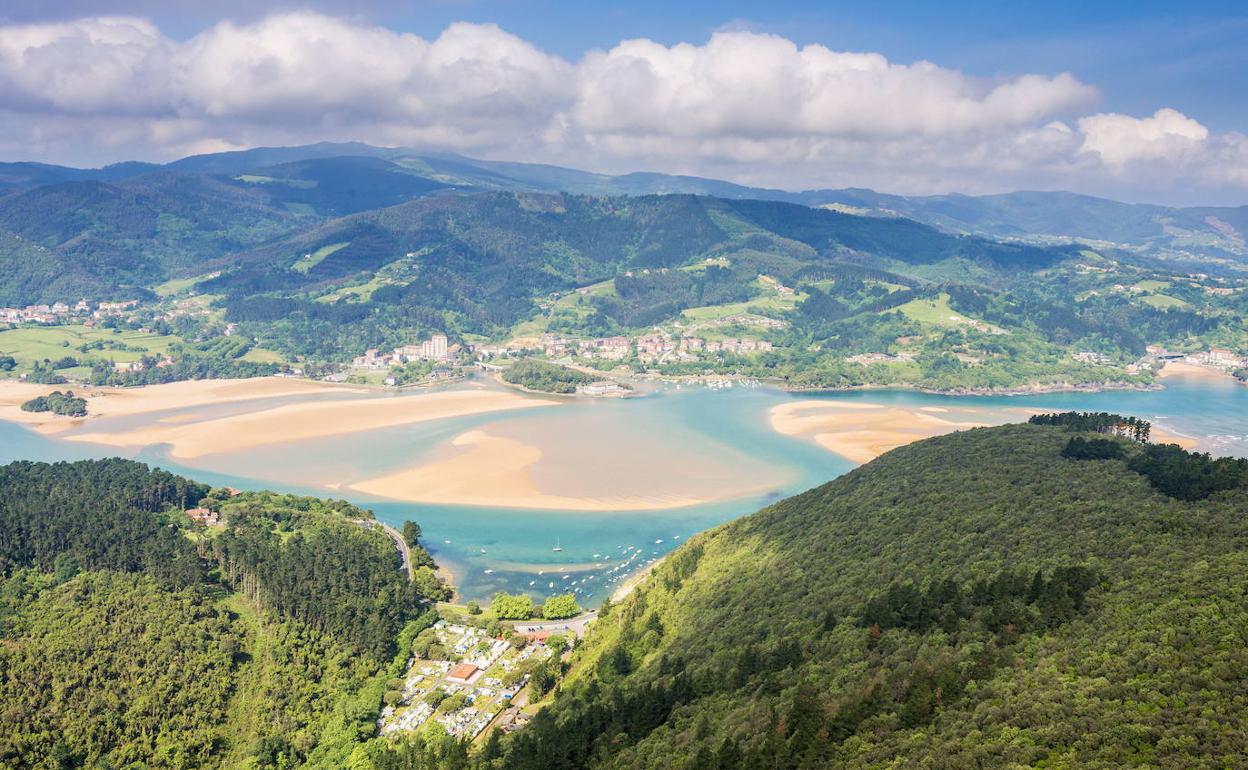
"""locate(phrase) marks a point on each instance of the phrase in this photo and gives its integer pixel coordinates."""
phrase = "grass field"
(575, 303)
(32, 344)
(933, 311)
(177, 285)
(263, 356)
(310, 261)
(359, 293)
(1151, 285)
(1163, 301)
(769, 302)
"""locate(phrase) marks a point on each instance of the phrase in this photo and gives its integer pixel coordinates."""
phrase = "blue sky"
(1128, 61)
(1192, 56)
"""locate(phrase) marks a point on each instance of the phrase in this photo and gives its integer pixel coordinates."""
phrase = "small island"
(544, 377)
(58, 402)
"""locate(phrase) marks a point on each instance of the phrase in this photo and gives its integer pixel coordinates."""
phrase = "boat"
(558, 546)
(489, 572)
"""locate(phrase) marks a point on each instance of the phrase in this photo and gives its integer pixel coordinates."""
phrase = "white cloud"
(751, 85)
(755, 108)
(1121, 139)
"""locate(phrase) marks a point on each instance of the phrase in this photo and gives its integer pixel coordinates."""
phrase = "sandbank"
(860, 431)
(13, 394)
(122, 402)
(310, 420)
(493, 471)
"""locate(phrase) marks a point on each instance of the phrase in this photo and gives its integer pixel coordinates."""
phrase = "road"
(575, 625)
(404, 551)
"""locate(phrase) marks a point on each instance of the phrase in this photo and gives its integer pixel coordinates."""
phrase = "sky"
(1140, 101)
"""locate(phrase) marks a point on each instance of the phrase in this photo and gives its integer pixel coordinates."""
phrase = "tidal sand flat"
(860, 431)
(287, 423)
(124, 402)
(482, 469)
(14, 394)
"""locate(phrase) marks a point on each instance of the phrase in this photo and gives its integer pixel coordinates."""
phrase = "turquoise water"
(725, 429)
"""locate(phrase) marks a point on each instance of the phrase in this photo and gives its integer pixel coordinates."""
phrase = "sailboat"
(557, 547)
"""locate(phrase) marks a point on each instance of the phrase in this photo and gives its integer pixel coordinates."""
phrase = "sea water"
(649, 442)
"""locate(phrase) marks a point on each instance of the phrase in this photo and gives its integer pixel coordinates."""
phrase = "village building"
(461, 673)
(205, 516)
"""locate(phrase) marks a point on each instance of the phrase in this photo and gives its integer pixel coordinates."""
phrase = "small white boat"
(531, 582)
(558, 546)
(489, 572)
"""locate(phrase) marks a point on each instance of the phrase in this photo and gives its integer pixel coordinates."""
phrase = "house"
(461, 673)
(602, 388)
(204, 516)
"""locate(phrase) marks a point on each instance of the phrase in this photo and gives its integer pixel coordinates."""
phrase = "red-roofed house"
(461, 673)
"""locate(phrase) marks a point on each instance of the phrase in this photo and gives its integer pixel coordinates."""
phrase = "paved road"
(399, 542)
(575, 625)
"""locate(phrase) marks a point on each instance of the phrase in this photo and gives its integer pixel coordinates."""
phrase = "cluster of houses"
(479, 673)
(1091, 357)
(880, 358)
(436, 348)
(658, 346)
(205, 516)
(60, 312)
(1220, 358)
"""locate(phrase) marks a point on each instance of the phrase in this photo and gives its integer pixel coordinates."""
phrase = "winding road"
(404, 551)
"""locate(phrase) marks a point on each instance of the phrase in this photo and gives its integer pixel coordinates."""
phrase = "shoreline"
(1021, 390)
(862, 431)
(1179, 369)
(634, 580)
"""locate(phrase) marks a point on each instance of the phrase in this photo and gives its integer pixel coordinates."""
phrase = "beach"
(123, 402)
(286, 423)
(483, 469)
(1182, 369)
(860, 431)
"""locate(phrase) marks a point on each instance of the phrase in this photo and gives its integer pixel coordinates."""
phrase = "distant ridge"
(1219, 232)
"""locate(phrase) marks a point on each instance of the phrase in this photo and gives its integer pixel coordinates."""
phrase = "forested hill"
(983, 599)
(481, 262)
(132, 637)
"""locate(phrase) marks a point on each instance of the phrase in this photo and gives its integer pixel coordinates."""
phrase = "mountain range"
(340, 178)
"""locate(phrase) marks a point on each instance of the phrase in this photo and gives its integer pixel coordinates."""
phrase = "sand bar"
(860, 431)
(311, 420)
(493, 471)
(122, 402)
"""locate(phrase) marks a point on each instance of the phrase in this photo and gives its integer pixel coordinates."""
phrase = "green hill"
(974, 600)
(134, 233)
(1020, 596)
(131, 637)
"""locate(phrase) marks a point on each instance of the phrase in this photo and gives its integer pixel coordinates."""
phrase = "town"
(467, 680)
